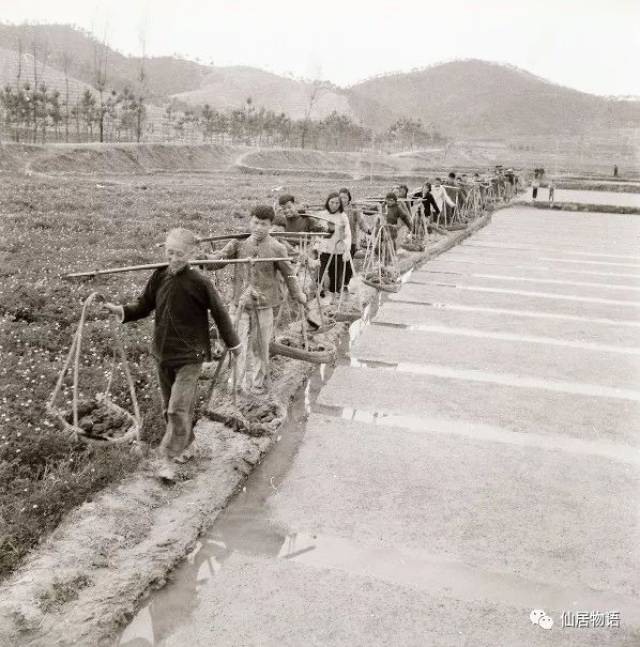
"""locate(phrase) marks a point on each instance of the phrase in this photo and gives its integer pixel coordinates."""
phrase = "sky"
(589, 45)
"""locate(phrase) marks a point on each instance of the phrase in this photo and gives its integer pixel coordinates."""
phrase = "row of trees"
(34, 115)
(30, 111)
(262, 127)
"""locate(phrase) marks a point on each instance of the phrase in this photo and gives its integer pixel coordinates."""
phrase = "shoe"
(167, 471)
(187, 455)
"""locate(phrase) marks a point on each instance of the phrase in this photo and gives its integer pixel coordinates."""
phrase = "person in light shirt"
(335, 251)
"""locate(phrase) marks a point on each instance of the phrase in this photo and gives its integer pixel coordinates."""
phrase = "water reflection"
(245, 526)
(416, 569)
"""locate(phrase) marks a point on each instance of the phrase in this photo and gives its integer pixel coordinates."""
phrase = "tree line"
(33, 112)
(39, 115)
(262, 127)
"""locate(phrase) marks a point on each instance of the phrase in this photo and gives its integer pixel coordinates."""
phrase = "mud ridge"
(108, 554)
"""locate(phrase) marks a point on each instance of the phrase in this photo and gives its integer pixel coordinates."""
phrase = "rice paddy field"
(82, 208)
(60, 222)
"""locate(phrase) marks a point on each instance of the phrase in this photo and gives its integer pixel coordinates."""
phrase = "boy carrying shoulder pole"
(256, 292)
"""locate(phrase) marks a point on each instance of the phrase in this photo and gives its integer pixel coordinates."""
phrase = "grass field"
(53, 225)
(69, 208)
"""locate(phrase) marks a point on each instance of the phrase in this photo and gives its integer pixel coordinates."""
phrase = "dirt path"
(90, 574)
(476, 458)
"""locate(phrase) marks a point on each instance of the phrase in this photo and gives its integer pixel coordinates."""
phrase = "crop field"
(51, 225)
(65, 209)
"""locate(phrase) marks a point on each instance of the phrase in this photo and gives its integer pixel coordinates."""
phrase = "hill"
(11, 61)
(54, 43)
(476, 98)
(460, 99)
(229, 87)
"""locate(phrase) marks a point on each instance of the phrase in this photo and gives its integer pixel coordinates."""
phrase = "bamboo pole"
(381, 199)
(156, 266)
(242, 235)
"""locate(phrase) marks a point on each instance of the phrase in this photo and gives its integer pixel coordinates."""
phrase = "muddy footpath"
(89, 577)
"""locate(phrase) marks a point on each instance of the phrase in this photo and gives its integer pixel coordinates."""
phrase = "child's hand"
(114, 309)
(236, 351)
(302, 298)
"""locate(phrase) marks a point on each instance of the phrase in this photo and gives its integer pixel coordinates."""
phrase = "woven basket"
(326, 351)
(101, 399)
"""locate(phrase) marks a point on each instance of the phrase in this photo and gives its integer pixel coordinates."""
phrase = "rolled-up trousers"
(178, 385)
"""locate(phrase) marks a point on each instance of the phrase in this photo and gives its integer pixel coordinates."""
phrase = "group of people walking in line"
(182, 296)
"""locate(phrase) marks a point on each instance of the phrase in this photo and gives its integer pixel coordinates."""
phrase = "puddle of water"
(505, 336)
(609, 286)
(571, 260)
(435, 574)
(506, 379)
(521, 313)
(534, 248)
(481, 431)
(244, 525)
(438, 574)
(545, 295)
(488, 262)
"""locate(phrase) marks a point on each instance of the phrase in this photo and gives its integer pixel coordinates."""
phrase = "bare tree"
(313, 95)
(142, 86)
(37, 87)
(18, 80)
(100, 66)
(66, 62)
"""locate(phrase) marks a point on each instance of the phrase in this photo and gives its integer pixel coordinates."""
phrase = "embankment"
(86, 580)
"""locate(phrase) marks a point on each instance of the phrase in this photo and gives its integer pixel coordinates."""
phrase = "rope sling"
(380, 269)
(72, 361)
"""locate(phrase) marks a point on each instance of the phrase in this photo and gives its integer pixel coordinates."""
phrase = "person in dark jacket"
(181, 297)
(402, 192)
(428, 201)
(393, 214)
(294, 219)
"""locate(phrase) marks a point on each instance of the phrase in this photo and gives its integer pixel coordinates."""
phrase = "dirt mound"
(119, 158)
(15, 156)
(326, 164)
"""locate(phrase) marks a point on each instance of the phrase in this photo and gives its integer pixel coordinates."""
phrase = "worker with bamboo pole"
(394, 214)
(294, 219)
(181, 297)
(256, 293)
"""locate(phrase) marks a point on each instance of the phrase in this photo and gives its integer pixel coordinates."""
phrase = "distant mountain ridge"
(230, 87)
(469, 98)
(479, 98)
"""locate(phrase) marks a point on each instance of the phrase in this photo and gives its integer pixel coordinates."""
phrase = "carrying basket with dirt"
(384, 278)
(255, 415)
(246, 413)
(380, 268)
(316, 350)
(96, 419)
(413, 244)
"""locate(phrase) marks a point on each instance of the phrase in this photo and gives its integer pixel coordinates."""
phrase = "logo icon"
(540, 618)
